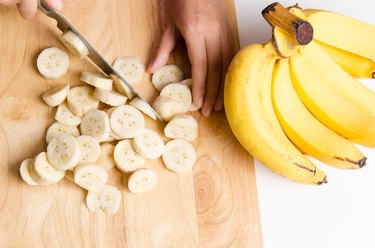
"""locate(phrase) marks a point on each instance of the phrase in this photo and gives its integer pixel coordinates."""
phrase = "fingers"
(166, 46)
(27, 8)
(214, 60)
(227, 52)
(55, 4)
(197, 55)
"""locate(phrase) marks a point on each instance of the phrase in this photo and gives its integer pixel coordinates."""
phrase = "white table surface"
(340, 214)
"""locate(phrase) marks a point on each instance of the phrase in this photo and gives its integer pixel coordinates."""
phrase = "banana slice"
(105, 159)
(91, 177)
(25, 171)
(130, 68)
(126, 121)
(148, 144)
(59, 128)
(126, 158)
(188, 82)
(182, 127)
(81, 99)
(139, 104)
(142, 180)
(97, 80)
(121, 87)
(110, 97)
(179, 155)
(110, 199)
(193, 108)
(52, 63)
(74, 44)
(178, 92)
(168, 108)
(65, 116)
(93, 200)
(56, 95)
(95, 123)
(166, 75)
(63, 152)
(43, 172)
(90, 149)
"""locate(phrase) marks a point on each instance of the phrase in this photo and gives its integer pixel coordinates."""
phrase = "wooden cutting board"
(214, 205)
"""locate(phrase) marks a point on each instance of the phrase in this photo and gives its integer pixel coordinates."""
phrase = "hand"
(27, 8)
(204, 26)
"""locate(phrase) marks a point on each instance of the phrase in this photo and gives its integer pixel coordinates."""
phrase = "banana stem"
(276, 15)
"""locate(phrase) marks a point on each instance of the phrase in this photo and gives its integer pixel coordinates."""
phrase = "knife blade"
(64, 25)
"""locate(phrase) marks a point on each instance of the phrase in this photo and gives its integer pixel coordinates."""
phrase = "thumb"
(55, 4)
(167, 43)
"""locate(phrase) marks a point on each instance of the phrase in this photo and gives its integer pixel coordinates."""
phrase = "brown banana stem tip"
(276, 15)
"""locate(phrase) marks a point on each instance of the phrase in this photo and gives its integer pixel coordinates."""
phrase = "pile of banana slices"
(96, 130)
(297, 94)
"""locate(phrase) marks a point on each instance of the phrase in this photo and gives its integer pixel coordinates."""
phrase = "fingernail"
(207, 112)
(58, 4)
(200, 102)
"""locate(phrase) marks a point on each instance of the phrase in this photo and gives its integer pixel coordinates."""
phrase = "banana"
(56, 95)
(166, 75)
(130, 68)
(244, 98)
(148, 144)
(97, 80)
(90, 149)
(58, 128)
(74, 44)
(93, 200)
(179, 155)
(193, 108)
(110, 199)
(343, 32)
(52, 63)
(126, 121)
(81, 99)
(328, 106)
(142, 180)
(110, 97)
(121, 87)
(167, 108)
(188, 82)
(25, 171)
(43, 172)
(91, 177)
(356, 65)
(65, 116)
(285, 45)
(95, 123)
(105, 159)
(126, 158)
(63, 152)
(341, 82)
(182, 127)
(140, 105)
(179, 93)
(304, 130)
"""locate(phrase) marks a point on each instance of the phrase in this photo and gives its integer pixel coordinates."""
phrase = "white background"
(340, 214)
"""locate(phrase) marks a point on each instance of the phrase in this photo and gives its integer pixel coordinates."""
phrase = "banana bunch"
(297, 94)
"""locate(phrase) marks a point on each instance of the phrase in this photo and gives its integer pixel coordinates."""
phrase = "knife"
(64, 25)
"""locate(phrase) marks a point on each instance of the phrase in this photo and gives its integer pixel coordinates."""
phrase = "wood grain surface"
(214, 205)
